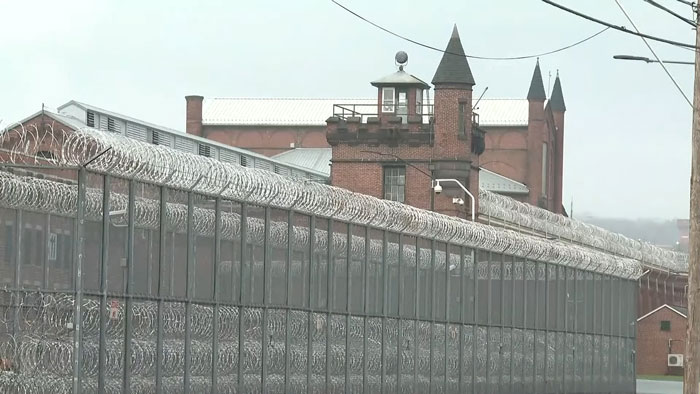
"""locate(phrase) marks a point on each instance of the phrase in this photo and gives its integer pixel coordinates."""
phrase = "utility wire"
(621, 28)
(457, 54)
(654, 53)
(684, 19)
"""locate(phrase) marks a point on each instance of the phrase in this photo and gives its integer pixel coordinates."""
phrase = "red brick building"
(661, 333)
(523, 137)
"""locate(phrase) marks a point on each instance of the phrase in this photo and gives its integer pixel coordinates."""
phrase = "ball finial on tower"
(401, 59)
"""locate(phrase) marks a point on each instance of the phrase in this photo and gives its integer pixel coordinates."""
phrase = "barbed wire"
(43, 351)
(538, 219)
(155, 164)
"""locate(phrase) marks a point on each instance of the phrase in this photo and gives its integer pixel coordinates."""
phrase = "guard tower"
(401, 94)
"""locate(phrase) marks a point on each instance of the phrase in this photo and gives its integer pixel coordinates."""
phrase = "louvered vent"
(155, 137)
(184, 145)
(244, 161)
(112, 125)
(136, 132)
(228, 157)
(90, 119)
(204, 150)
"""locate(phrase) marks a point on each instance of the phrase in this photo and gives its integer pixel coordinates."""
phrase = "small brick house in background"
(523, 137)
(660, 333)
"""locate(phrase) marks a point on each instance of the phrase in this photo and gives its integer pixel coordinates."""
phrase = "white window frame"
(419, 101)
(388, 100)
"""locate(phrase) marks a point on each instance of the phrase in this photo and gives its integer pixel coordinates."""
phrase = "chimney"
(193, 116)
(537, 150)
(558, 107)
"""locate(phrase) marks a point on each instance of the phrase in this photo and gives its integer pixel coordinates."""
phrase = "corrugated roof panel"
(498, 183)
(317, 159)
(503, 112)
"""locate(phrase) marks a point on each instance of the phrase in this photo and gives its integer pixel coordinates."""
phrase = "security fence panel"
(200, 276)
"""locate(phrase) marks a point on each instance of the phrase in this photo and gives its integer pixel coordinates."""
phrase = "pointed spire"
(537, 86)
(454, 67)
(557, 100)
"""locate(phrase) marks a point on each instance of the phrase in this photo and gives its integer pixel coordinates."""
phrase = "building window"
(90, 119)
(111, 125)
(463, 113)
(388, 99)
(544, 169)
(419, 101)
(395, 183)
(44, 154)
(204, 150)
(665, 325)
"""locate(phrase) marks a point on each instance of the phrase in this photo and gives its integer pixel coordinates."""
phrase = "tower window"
(463, 113)
(544, 169)
(395, 183)
(419, 101)
(388, 99)
(90, 119)
(665, 325)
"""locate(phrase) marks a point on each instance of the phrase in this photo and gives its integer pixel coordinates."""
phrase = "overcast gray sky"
(627, 150)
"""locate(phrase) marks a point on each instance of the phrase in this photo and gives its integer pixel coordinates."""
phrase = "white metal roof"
(272, 111)
(314, 112)
(178, 140)
(317, 159)
(503, 112)
(497, 183)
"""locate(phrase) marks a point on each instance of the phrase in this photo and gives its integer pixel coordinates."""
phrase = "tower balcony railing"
(360, 113)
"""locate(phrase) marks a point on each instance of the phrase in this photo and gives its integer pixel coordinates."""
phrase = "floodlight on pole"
(647, 60)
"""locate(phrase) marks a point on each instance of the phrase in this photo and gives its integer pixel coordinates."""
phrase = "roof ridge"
(290, 98)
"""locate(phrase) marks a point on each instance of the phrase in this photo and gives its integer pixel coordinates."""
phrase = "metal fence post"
(128, 288)
(78, 280)
(189, 290)
(399, 298)
(348, 309)
(215, 296)
(330, 268)
(162, 233)
(310, 328)
(102, 362)
(241, 311)
(287, 299)
(266, 300)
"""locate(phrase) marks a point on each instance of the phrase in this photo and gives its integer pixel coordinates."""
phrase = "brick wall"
(653, 344)
(268, 140)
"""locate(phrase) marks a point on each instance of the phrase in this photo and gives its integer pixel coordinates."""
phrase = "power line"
(654, 53)
(457, 54)
(620, 28)
(684, 19)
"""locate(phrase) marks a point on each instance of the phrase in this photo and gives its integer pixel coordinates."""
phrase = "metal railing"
(364, 111)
